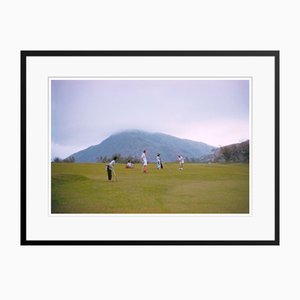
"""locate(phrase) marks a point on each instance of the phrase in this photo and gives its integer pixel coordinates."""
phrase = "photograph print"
(150, 145)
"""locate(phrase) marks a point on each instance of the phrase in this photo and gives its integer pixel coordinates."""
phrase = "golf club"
(115, 175)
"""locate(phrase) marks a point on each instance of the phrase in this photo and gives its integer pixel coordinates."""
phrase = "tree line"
(70, 159)
(121, 159)
(101, 159)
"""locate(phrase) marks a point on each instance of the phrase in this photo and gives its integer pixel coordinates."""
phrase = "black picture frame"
(24, 55)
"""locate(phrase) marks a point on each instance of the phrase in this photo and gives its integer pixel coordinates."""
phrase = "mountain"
(231, 153)
(133, 142)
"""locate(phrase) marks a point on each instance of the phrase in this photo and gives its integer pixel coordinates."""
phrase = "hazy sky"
(85, 112)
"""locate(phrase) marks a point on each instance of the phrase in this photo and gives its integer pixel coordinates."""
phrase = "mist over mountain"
(134, 142)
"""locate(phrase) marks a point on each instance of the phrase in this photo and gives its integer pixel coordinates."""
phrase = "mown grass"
(199, 188)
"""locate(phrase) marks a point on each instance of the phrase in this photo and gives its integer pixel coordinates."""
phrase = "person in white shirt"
(144, 161)
(129, 165)
(110, 169)
(181, 162)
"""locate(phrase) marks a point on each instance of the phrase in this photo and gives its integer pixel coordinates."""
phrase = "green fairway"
(199, 188)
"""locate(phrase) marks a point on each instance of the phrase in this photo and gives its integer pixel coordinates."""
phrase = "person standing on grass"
(144, 161)
(181, 162)
(158, 161)
(110, 168)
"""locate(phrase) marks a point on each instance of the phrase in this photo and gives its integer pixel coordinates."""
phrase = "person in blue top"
(159, 163)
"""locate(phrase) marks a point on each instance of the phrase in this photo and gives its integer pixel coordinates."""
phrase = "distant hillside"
(231, 153)
(133, 142)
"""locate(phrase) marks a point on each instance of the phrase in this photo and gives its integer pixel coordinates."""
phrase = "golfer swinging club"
(181, 162)
(110, 169)
(144, 161)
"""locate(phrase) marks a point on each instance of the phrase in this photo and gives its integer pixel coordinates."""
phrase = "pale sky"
(85, 112)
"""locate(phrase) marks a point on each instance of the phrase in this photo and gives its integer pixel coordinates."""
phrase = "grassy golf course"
(199, 188)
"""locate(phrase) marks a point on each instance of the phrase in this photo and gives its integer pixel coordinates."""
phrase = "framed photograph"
(149, 147)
